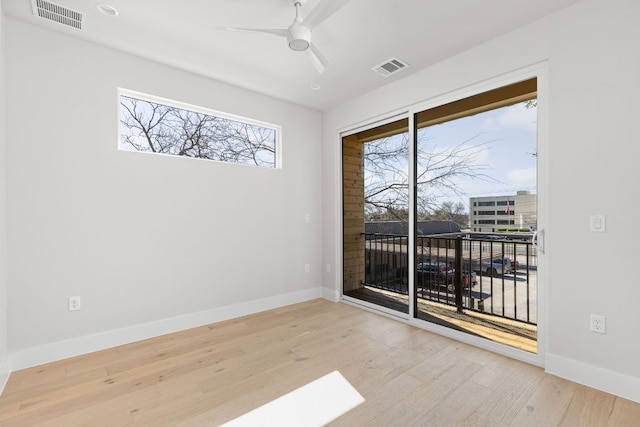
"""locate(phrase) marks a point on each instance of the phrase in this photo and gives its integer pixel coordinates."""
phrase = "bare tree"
(158, 128)
(387, 178)
(449, 211)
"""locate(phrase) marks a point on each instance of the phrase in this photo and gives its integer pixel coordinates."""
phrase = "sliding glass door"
(465, 258)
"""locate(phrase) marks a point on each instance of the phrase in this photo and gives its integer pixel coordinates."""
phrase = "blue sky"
(503, 142)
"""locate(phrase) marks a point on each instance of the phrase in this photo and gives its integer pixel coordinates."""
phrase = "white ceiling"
(361, 35)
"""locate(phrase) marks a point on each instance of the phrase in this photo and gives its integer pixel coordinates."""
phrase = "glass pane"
(376, 215)
(476, 211)
(153, 127)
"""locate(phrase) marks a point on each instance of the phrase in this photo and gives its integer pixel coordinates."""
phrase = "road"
(509, 295)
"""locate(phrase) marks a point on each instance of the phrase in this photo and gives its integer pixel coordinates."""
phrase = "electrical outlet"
(598, 223)
(598, 324)
(74, 303)
(307, 268)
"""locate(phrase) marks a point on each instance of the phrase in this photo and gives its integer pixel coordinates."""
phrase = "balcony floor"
(505, 331)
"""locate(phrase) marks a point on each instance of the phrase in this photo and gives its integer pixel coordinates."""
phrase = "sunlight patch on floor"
(313, 404)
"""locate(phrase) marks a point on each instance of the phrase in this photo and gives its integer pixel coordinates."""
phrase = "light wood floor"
(504, 331)
(212, 374)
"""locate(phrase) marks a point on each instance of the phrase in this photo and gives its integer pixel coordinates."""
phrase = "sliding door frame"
(401, 115)
(538, 71)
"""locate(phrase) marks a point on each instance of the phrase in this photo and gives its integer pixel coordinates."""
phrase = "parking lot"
(513, 295)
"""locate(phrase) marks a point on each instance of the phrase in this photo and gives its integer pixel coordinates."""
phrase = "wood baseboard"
(34, 356)
(612, 382)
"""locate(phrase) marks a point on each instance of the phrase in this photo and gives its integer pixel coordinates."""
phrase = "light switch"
(598, 223)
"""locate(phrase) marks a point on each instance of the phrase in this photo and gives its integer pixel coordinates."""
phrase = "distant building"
(497, 213)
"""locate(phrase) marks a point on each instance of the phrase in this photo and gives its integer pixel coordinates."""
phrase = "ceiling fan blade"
(323, 10)
(319, 61)
(275, 32)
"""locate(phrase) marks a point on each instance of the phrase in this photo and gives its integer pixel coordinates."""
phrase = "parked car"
(500, 266)
(429, 274)
(469, 279)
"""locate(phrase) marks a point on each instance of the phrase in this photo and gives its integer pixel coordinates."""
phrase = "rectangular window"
(487, 203)
(154, 125)
(486, 212)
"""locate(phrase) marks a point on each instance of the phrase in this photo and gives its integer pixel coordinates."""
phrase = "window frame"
(277, 157)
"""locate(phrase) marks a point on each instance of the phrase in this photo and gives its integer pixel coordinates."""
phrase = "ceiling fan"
(298, 34)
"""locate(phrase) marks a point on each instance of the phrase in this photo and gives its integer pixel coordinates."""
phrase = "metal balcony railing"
(495, 275)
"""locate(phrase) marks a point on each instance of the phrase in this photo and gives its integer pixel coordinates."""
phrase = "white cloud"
(516, 116)
(524, 178)
(490, 125)
(482, 155)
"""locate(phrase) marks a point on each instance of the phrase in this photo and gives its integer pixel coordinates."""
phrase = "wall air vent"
(390, 66)
(57, 13)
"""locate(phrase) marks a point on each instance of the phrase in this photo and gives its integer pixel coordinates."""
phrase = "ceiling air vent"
(390, 66)
(57, 13)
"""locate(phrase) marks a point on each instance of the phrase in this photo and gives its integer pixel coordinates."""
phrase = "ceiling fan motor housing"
(299, 37)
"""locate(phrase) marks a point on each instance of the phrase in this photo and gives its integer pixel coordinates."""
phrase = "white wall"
(142, 238)
(4, 366)
(591, 166)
